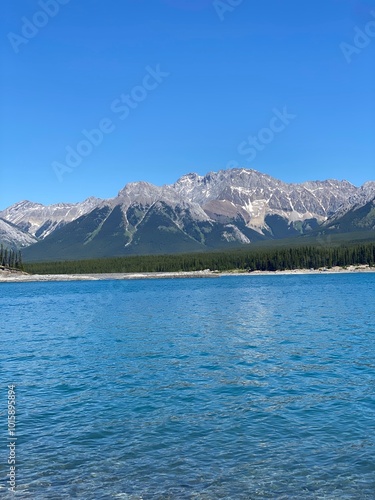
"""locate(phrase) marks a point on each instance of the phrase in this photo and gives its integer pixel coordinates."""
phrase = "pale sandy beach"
(14, 276)
(323, 270)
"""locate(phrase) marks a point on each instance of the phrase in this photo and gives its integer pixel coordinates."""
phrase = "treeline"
(305, 257)
(10, 259)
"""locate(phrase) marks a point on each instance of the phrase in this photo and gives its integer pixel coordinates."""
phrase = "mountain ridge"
(217, 210)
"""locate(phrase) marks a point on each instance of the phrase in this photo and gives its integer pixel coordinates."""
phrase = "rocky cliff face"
(255, 196)
(13, 237)
(39, 220)
(358, 217)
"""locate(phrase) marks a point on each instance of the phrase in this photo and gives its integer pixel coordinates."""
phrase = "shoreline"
(22, 277)
(333, 270)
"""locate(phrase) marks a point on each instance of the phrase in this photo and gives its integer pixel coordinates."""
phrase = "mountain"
(40, 220)
(142, 219)
(218, 210)
(13, 237)
(267, 205)
(360, 217)
(361, 197)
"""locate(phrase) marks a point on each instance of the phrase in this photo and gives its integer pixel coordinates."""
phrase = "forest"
(262, 259)
(10, 259)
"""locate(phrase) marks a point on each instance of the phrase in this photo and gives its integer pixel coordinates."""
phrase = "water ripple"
(235, 388)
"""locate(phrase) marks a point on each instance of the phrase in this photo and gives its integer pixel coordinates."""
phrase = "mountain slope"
(136, 229)
(13, 237)
(361, 217)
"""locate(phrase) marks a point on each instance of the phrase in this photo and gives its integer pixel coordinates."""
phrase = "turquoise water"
(255, 387)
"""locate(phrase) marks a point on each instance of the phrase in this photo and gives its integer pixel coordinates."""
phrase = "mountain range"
(221, 209)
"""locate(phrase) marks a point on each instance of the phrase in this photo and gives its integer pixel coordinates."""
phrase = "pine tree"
(19, 261)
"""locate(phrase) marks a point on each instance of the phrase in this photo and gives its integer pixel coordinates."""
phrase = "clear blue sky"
(228, 70)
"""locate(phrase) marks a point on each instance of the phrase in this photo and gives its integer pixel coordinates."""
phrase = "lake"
(247, 387)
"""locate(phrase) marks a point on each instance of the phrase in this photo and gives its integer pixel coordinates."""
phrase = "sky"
(99, 93)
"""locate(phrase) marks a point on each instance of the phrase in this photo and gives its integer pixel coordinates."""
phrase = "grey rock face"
(39, 220)
(13, 237)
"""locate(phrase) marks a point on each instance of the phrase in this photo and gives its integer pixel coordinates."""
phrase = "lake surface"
(253, 387)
